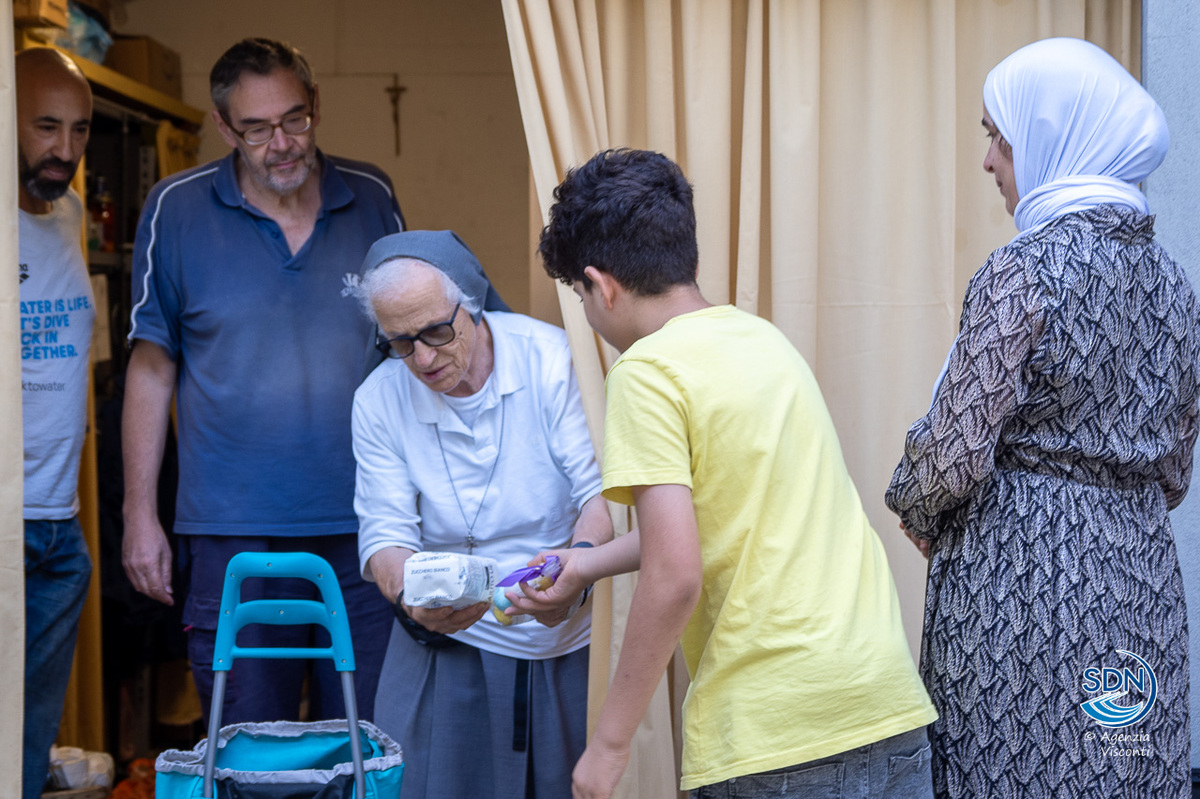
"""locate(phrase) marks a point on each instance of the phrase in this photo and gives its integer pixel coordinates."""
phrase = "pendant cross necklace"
(471, 542)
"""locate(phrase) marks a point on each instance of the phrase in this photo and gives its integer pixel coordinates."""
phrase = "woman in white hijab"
(1060, 434)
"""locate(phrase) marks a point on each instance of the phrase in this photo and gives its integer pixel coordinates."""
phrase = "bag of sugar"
(448, 579)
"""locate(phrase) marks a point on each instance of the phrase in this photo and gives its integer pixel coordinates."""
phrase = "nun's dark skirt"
(459, 714)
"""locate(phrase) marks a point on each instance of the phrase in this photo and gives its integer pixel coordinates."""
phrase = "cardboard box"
(148, 61)
(39, 13)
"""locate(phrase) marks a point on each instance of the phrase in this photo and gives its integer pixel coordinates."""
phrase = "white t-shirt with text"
(57, 315)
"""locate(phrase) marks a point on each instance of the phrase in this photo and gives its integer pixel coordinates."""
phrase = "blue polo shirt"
(270, 345)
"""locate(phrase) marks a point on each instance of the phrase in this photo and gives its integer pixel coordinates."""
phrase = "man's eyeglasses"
(438, 335)
(255, 135)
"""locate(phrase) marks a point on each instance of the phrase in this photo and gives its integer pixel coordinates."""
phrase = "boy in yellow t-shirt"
(752, 542)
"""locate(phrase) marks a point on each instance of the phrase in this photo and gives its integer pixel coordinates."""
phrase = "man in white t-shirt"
(54, 113)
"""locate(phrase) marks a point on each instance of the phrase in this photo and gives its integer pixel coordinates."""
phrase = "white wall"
(1171, 72)
(463, 163)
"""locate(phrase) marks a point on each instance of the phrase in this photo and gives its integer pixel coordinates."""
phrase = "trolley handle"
(330, 613)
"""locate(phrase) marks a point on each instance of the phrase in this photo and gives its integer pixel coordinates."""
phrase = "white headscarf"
(1083, 132)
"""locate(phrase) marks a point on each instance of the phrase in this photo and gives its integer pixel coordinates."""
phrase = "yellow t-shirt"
(796, 649)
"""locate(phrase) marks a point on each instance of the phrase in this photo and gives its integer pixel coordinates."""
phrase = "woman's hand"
(920, 543)
(447, 620)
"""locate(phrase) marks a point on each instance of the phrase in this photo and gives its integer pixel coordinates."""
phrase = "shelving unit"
(134, 95)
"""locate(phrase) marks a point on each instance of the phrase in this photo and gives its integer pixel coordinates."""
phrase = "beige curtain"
(836, 151)
(12, 470)
(566, 121)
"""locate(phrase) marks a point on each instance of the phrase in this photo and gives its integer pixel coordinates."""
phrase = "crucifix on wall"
(394, 91)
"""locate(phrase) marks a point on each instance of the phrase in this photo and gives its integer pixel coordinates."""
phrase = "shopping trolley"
(270, 759)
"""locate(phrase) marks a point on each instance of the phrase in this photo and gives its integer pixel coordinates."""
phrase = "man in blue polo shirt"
(243, 297)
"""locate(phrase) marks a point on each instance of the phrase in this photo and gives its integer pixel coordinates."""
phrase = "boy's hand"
(599, 770)
(547, 618)
(550, 606)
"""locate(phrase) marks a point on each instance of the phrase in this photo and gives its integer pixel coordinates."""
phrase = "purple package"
(548, 570)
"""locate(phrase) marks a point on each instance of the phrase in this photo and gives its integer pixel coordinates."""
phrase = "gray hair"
(388, 280)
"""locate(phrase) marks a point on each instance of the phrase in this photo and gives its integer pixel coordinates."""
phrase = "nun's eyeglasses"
(438, 335)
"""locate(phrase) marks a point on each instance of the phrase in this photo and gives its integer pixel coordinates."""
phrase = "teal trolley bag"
(335, 759)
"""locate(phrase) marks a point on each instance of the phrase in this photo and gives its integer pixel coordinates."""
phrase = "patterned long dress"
(1059, 438)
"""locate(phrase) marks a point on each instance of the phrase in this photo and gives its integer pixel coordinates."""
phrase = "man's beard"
(284, 187)
(40, 188)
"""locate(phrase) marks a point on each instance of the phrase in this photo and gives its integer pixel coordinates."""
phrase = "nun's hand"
(447, 620)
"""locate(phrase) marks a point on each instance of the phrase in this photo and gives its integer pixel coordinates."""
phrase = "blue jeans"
(270, 690)
(894, 768)
(57, 570)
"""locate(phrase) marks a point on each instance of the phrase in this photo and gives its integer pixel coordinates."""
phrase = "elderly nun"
(470, 438)
(1060, 435)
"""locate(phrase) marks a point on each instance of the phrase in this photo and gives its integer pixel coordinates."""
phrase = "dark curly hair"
(628, 213)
